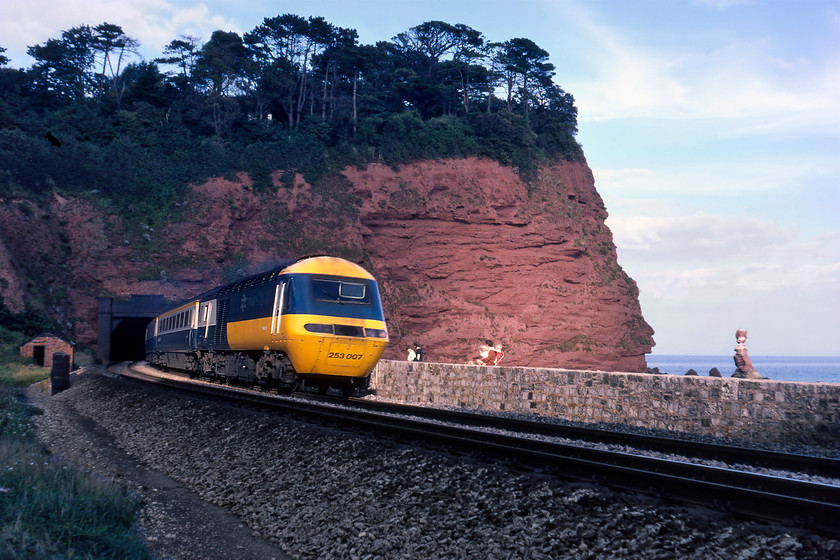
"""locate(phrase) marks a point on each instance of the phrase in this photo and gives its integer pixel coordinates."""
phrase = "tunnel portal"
(122, 325)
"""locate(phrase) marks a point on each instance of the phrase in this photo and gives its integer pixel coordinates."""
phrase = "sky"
(712, 128)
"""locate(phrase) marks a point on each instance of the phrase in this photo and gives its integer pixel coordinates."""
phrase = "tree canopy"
(293, 93)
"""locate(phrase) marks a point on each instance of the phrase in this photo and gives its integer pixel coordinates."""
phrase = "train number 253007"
(344, 356)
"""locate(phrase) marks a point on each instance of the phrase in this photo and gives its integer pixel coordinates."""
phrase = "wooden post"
(60, 372)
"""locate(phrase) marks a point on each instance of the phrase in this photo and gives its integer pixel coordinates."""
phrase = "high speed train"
(315, 322)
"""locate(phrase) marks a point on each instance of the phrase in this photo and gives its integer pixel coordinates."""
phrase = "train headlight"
(376, 333)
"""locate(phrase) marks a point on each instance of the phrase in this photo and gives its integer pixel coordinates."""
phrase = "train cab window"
(340, 291)
(288, 294)
(351, 290)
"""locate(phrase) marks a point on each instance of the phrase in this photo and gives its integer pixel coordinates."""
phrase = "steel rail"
(788, 501)
(813, 465)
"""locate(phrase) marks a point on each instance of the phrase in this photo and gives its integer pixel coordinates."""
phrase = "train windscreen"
(340, 291)
(336, 296)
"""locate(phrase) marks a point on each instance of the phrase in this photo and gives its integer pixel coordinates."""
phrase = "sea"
(825, 369)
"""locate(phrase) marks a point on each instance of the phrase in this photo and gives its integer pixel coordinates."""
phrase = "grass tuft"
(48, 509)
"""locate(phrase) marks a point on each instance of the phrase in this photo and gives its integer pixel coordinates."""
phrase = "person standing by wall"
(415, 354)
(489, 354)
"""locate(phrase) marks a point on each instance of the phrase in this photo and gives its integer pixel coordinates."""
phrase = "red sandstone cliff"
(464, 250)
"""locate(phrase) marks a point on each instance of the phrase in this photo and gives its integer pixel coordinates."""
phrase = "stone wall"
(765, 410)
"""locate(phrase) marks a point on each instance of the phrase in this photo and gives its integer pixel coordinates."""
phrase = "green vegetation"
(91, 119)
(637, 333)
(28, 323)
(49, 510)
(576, 344)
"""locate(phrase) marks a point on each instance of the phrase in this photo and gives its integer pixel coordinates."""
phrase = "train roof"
(305, 265)
(328, 265)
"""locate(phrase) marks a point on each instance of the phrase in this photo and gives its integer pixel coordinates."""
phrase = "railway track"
(532, 445)
(812, 465)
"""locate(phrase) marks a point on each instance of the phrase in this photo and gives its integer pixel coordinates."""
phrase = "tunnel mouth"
(128, 339)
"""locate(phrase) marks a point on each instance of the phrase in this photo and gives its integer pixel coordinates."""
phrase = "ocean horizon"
(817, 369)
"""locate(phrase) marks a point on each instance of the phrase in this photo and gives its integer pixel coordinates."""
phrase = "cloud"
(709, 238)
(789, 310)
(732, 73)
(170, 20)
(705, 275)
(708, 287)
(630, 79)
(720, 239)
(765, 172)
(153, 22)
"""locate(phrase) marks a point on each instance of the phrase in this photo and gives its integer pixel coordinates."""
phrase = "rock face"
(464, 251)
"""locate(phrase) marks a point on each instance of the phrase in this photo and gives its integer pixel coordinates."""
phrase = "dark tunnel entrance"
(122, 326)
(128, 339)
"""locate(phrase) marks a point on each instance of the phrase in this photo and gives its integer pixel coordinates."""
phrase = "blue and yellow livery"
(317, 321)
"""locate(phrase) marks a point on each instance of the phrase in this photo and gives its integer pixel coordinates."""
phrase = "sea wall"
(762, 410)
